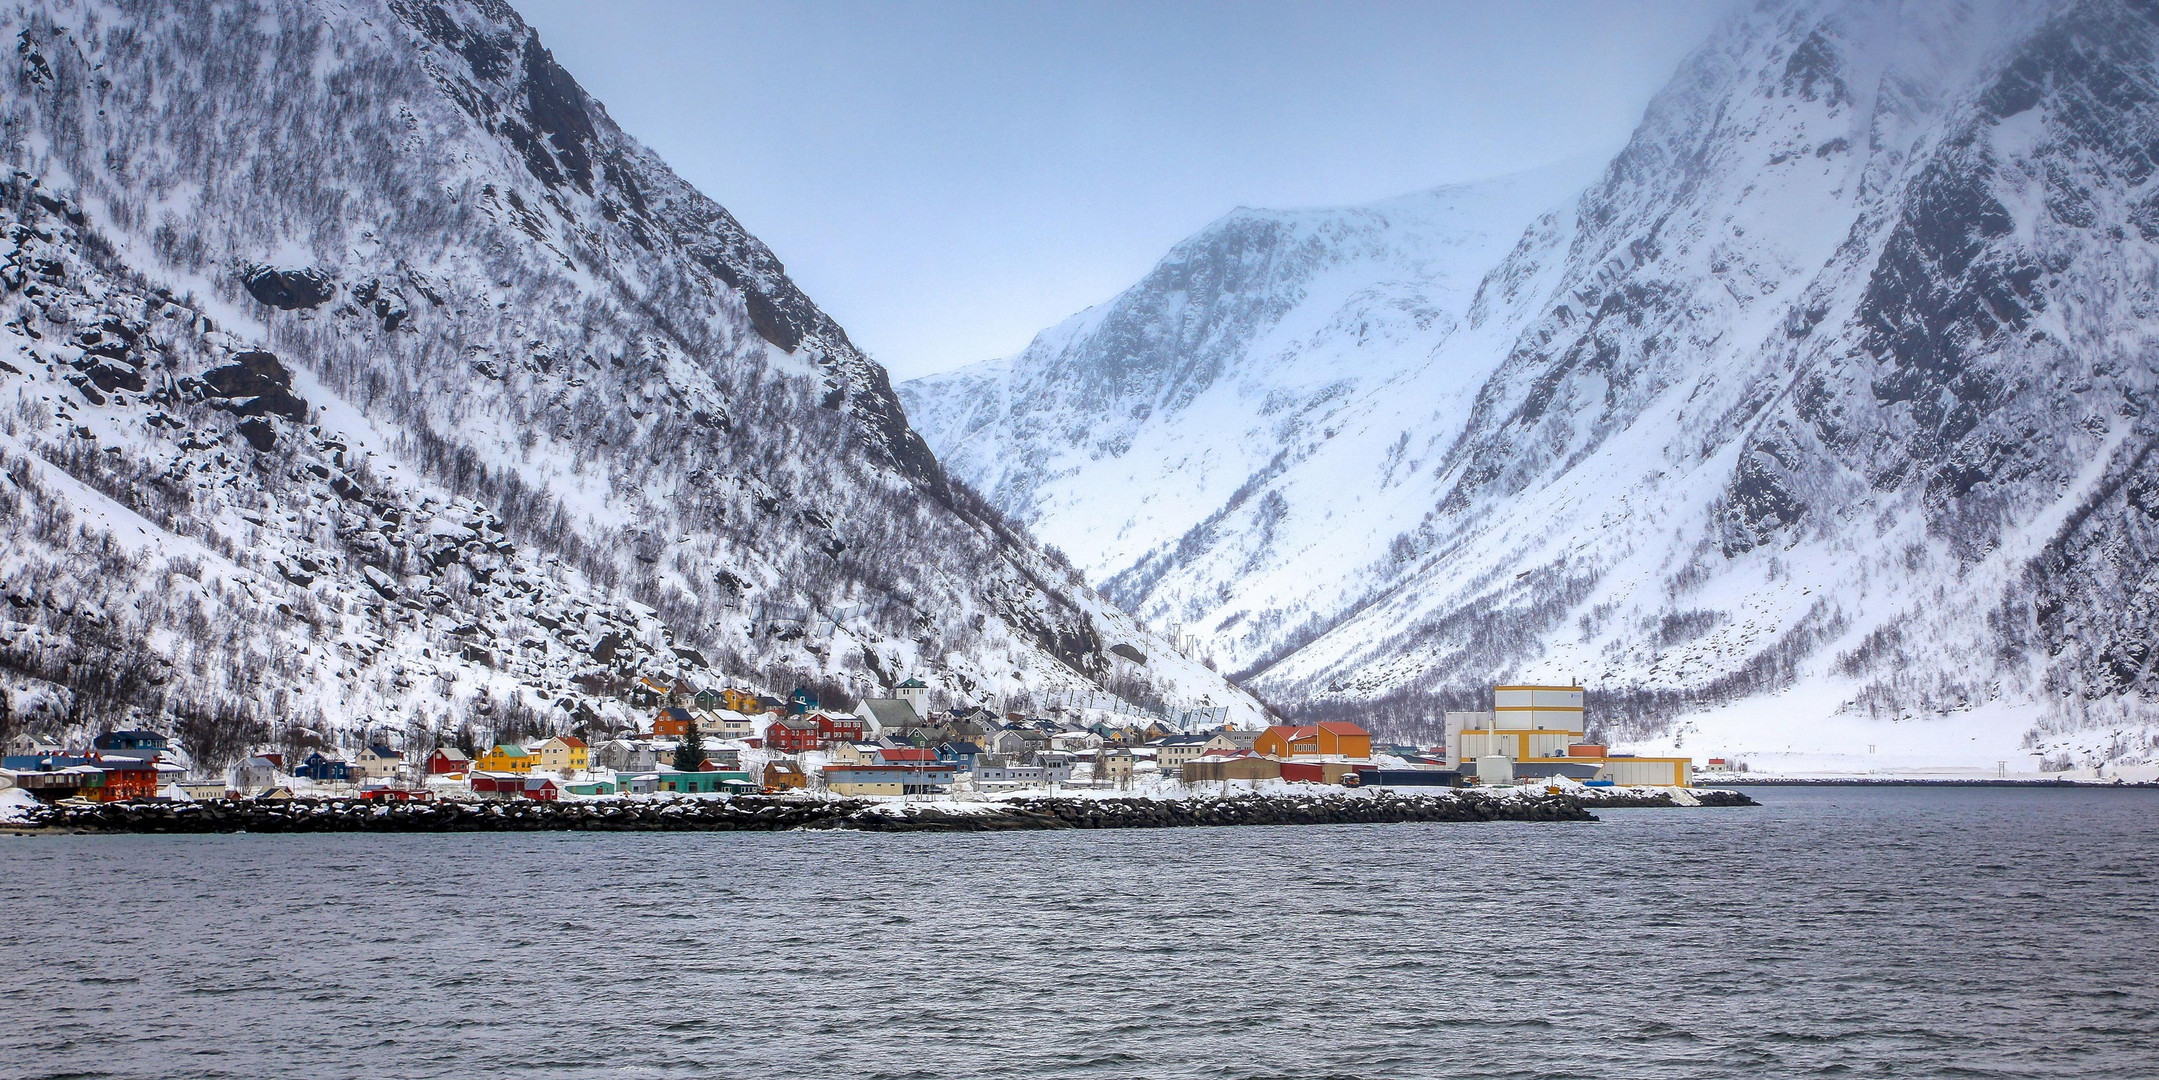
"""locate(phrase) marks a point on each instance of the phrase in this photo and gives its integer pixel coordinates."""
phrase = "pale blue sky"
(949, 178)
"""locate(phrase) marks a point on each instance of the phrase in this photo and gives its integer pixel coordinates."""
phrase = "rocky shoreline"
(781, 813)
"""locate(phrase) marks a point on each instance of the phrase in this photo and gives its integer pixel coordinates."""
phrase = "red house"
(541, 788)
(500, 785)
(794, 734)
(448, 759)
(396, 795)
(814, 731)
(838, 729)
(125, 780)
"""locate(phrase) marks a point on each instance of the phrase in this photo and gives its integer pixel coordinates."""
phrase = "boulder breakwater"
(780, 813)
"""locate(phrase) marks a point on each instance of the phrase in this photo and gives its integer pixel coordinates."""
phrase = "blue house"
(801, 701)
(23, 763)
(960, 755)
(132, 743)
(321, 767)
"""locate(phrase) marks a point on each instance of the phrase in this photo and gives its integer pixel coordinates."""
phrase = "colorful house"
(376, 761)
(908, 779)
(447, 759)
(959, 754)
(58, 777)
(389, 794)
(325, 768)
(1335, 738)
(125, 780)
(498, 785)
(131, 743)
(741, 701)
(647, 692)
(785, 774)
(724, 724)
(565, 754)
(542, 789)
(839, 726)
(704, 781)
(507, 758)
(793, 735)
(673, 723)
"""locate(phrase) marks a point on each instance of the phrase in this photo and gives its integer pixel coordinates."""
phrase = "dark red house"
(448, 759)
(794, 734)
(502, 785)
(814, 731)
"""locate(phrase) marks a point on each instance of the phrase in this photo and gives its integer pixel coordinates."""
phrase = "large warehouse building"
(1540, 730)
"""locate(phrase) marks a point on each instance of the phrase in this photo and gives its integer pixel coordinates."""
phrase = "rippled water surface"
(1894, 932)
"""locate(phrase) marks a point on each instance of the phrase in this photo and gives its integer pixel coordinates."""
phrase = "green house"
(704, 783)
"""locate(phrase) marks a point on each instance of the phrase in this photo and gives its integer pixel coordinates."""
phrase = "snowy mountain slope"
(1828, 400)
(1200, 427)
(451, 402)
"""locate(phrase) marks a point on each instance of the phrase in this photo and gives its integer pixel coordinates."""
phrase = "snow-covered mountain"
(1817, 424)
(358, 373)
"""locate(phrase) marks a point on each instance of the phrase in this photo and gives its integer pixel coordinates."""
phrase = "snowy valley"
(1814, 426)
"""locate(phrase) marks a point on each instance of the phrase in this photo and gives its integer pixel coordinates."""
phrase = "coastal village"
(677, 740)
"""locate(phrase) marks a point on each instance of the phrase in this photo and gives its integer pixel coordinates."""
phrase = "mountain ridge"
(436, 401)
(1759, 443)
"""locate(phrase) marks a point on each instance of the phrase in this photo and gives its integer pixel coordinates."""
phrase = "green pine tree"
(690, 753)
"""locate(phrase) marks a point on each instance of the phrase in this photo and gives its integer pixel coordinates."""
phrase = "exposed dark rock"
(288, 290)
(255, 384)
(1815, 73)
(1758, 503)
(258, 432)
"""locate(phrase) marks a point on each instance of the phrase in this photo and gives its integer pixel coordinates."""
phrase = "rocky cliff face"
(359, 373)
(1817, 421)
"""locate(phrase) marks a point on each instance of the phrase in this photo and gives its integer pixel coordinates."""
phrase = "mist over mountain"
(1817, 421)
(358, 374)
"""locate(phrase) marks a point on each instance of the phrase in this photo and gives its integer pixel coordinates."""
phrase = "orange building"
(785, 774)
(672, 723)
(1335, 738)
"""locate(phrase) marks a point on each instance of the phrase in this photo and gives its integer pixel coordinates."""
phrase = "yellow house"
(505, 758)
(740, 701)
(565, 753)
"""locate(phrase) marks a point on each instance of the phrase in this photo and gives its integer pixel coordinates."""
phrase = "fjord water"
(1897, 932)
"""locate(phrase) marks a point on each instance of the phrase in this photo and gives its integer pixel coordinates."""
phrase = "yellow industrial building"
(1541, 727)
